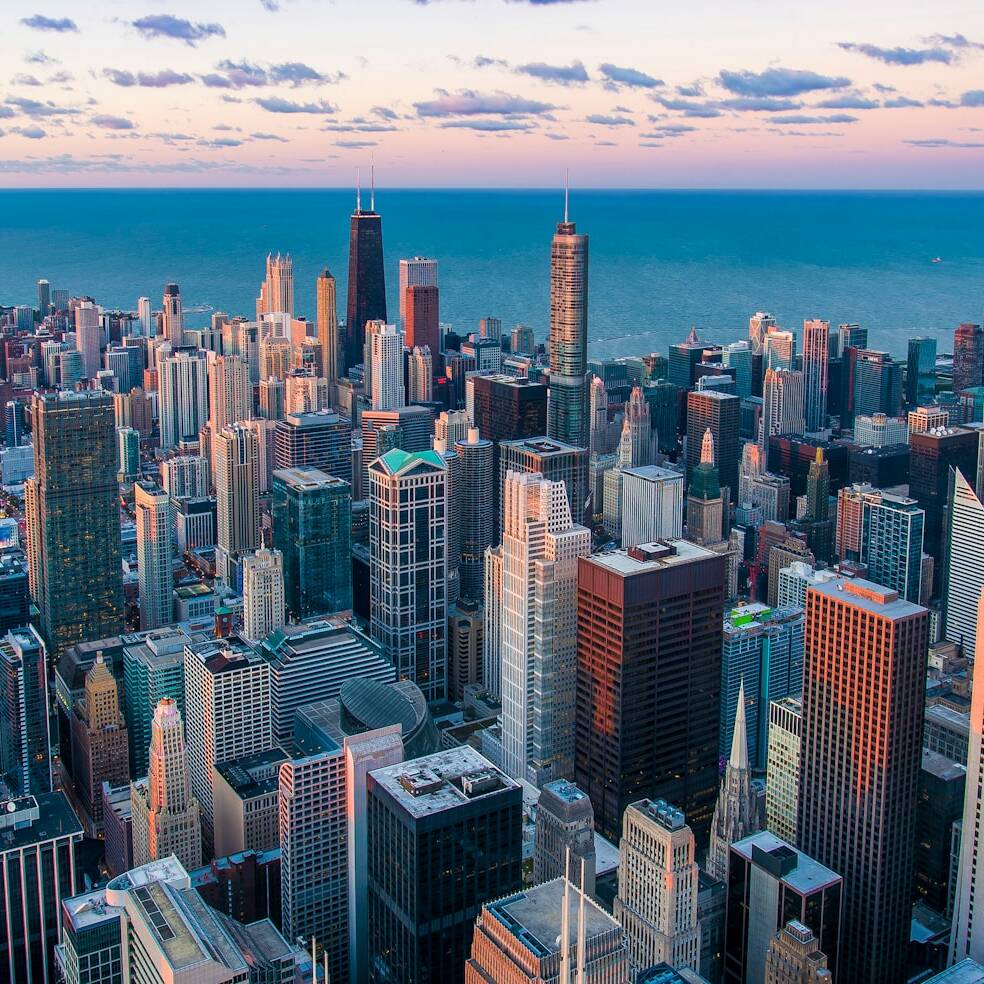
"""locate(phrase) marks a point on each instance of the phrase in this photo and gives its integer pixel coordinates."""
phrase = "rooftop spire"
(358, 189)
(707, 448)
(372, 185)
(567, 191)
(739, 740)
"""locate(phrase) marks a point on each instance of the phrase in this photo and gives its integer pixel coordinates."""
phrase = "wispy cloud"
(573, 74)
(148, 80)
(760, 104)
(37, 109)
(31, 132)
(259, 135)
(274, 104)
(471, 103)
(355, 144)
(899, 56)
(803, 119)
(848, 102)
(973, 98)
(599, 119)
(23, 79)
(688, 107)
(40, 58)
(245, 74)
(779, 82)
(109, 122)
(902, 102)
(487, 126)
(58, 24)
(938, 143)
(620, 75)
(177, 28)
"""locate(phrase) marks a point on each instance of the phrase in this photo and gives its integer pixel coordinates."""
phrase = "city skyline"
(499, 93)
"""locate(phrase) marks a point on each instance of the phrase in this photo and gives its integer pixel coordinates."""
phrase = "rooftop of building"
(313, 418)
(798, 870)
(947, 717)
(197, 590)
(542, 446)
(314, 636)
(224, 655)
(755, 615)
(533, 916)
(942, 767)
(867, 595)
(29, 820)
(654, 473)
(442, 781)
(663, 973)
(303, 478)
(966, 972)
(651, 557)
(253, 775)
(398, 461)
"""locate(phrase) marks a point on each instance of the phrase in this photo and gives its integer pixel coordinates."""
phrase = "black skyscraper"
(366, 278)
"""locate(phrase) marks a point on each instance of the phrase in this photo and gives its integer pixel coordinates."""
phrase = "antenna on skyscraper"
(372, 184)
(567, 191)
(358, 189)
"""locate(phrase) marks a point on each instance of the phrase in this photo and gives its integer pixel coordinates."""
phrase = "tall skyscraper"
(172, 319)
(166, 816)
(795, 957)
(263, 593)
(420, 375)
(25, 739)
(228, 713)
(88, 337)
(851, 336)
(816, 346)
(967, 939)
(783, 767)
(73, 519)
(863, 688)
(145, 315)
(932, 455)
(717, 412)
(277, 292)
(384, 347)
(237, 496)
(657, 887)
(963, 576)
(151, 923)
(366, 277)
(422, 319)
(564, 836)
(568, 343)
(312, 523)
(782, 405)
(44, 298)
(408, 544)
(779, 349)
(652, 505)
(759, 324)
(474, 479)
(553, 460)
(100, 752)
(230, 393)
(332, 344)
(510, 947)
(540, 550)
(705, 505)
(420, 271)
(320, 439)
(155, 537)
(735, 815)
(892, 541)
(183, 395)
(683, 359)
(920, 372)
(38, 871)
(738, 356)
(771, 882)
(647, 708)
(444, 837)
(968, 356)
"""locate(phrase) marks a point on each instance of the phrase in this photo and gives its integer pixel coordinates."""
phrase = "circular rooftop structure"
(366, 705)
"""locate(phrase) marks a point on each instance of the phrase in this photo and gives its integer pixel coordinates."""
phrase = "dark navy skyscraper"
(366, 277)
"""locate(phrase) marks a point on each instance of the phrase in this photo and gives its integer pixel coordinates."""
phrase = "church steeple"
(736, 815)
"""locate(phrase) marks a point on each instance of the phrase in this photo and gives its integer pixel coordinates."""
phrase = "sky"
(492, 93)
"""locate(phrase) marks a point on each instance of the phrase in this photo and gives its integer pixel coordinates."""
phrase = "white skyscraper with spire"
(963, 576)
(537, 602)
(263, 594)
(166, 816)
(736, 815)
(155, 536)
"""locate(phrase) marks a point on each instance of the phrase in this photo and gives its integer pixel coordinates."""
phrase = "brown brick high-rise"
(649, 680)
(863, 688)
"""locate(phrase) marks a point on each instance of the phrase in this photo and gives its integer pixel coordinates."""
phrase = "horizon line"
(509, 188)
